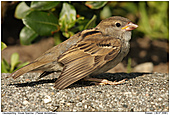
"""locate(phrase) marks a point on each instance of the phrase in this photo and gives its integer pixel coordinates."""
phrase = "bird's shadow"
(33, 83)
(82, 83)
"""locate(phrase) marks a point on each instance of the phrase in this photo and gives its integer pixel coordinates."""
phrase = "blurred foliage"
(63, 19)
(154, 19)
(129, 65)
(58, 19)
(15, 63)
(151, 16)
(3, 45)
(95, 4)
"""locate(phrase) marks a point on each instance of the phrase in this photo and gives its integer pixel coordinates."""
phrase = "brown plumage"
(89, 52)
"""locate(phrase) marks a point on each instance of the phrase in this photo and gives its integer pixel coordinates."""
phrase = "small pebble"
(25, 102)
(47, 99)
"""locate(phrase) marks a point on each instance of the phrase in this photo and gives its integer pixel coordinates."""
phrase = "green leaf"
(22, 10)
(42, 23)
(131, 7)
(82, 24)
(57, 38)
(91, 23)
(27, 35)
(105, 13)
(95, 4)
(14, 61)
(3, 46)
(44, 5)
(67, 17)
(4, 66)
(68, 34)
(79, 27)
(145, 19)
(129, 68)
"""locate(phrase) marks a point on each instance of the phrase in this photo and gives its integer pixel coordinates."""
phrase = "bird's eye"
(118, 24)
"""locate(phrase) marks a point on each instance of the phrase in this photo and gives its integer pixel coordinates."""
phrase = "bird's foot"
(104, 81)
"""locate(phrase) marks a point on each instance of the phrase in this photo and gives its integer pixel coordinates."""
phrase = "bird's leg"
(104, 81)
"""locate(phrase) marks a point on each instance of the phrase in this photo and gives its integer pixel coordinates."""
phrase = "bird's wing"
(82, 59)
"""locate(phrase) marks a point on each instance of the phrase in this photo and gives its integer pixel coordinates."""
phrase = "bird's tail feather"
(25, 69)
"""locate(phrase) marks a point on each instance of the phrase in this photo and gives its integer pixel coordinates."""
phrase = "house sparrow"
(87, 53)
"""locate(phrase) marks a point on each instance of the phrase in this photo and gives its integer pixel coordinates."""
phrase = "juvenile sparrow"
(87, 53)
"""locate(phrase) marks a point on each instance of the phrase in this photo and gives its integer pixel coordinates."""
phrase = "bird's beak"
(130, 26)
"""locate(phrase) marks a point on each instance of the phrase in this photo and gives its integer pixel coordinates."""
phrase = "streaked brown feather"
(25, 69)
(85, 57)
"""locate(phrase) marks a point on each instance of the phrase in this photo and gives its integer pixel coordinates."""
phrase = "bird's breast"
(109, 65)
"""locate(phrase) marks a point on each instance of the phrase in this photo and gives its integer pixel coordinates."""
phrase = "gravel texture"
(144, 92)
